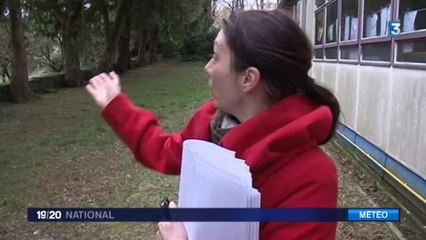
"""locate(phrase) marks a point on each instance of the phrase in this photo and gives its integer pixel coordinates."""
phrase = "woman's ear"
(251, 79)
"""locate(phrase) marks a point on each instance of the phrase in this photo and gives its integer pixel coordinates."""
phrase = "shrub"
(199, 47)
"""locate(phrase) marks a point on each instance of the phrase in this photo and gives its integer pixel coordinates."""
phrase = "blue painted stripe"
(413, 180)
(371, 149)
(406, 175)
(349, 133)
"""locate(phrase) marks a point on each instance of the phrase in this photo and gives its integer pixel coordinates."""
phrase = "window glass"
(377, 13)
(412, 15)
(319, 54)
(331, 23)
(318, 3)
(296, 10)
(349, 53)
(412, 51)
(377, 51)
(319, 27)
(331, 53)
(350, 21)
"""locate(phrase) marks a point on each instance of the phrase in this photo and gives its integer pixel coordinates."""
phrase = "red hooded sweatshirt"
(279, 144)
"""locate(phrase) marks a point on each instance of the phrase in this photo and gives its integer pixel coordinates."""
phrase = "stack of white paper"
(211, 177)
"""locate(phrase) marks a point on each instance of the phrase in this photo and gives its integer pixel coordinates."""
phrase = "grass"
(58, 152)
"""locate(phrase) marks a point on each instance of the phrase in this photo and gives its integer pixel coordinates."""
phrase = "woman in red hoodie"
(265, 107)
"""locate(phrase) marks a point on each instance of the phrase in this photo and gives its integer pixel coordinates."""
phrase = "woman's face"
(223, 80)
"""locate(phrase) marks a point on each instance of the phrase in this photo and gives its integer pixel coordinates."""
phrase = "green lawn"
(58, 152)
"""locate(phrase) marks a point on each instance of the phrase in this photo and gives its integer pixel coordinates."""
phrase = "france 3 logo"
(394, 29)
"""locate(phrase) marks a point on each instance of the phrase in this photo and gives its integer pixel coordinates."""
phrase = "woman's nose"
(207, 66)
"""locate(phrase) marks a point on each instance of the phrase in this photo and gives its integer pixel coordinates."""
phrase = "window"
(377, 52)
(331, 23)
(296, 11)
(356, 31)
(319, 3)
(377, 13)
(326, 30)
(349, 53)
(412, 51)
(319, 27)
(319, 54)
(299, 12)
(331, 53)
(412, 15)
(349, 27)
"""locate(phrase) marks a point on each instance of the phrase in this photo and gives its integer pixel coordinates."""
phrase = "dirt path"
(359, 187)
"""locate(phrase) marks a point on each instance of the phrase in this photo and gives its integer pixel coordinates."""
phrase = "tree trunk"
(113, 39)
(142, 49)
(73, 76)
(123, 61)
(70, 23)
(20, 88)
(153, 43)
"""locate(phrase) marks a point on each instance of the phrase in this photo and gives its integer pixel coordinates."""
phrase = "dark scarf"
(221, 124)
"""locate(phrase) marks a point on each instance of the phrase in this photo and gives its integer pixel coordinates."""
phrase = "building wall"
(387, 106)
(384, 105)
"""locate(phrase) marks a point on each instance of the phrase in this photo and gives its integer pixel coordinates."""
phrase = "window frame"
(362, 41)
(406, 36)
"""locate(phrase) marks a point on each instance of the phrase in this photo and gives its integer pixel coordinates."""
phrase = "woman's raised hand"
(103, 88)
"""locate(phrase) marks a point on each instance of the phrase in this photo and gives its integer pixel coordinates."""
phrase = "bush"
(169, 48)
(199, 47)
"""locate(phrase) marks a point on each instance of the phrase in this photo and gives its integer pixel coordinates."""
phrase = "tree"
(287, 4)
(123, 61)
(94, 33)
(69, 16)
(63, 17)
(146, 25)
(112, 38)
(5, 55)
(19, 85)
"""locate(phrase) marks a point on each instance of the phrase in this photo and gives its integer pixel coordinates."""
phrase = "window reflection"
(349, 20)
(319, 54)
(318, 3)
(332, 23)
(377, 52)
(319, 27)
(331, 53)
(377, 13)
(349, 53)
(412, 51)
(412, 15)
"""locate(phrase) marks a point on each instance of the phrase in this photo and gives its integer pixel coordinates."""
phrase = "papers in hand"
(211, 177)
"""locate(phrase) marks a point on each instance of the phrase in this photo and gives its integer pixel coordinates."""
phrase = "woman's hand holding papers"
(171, 230)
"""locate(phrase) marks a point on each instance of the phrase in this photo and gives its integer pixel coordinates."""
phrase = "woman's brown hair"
(272, 42)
